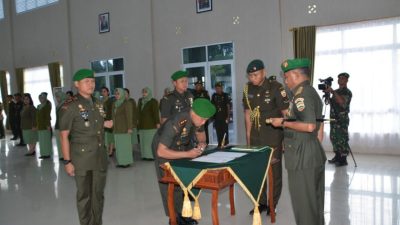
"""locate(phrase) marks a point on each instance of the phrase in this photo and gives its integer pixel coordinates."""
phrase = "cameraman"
(340, 108)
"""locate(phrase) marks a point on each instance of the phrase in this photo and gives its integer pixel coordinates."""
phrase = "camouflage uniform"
(339, 133)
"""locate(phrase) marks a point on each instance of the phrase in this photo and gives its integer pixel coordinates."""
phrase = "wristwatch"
(66, 162)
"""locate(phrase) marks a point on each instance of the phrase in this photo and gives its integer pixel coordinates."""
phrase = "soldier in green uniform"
(340, 109)
(179, 99)
(82, 140)
(175, 139)
(200, 92)
(265, 98)
(122, 120)
(29, 124)
(222, 102)
(304, 156)
(44, 126)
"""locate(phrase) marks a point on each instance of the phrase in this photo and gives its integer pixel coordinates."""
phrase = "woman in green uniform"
(122, 119)
(28, 124)
(149, 121)
(60, 98)
(44, 126)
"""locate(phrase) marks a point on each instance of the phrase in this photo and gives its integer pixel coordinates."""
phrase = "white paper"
(219, 157)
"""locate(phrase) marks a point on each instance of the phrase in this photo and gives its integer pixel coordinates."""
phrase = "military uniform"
(107, 106)
(122, 118)
(43, 123)
(304, 155)
(339, 133)
(175, 103)
(149, 118)
(135, 121)
(28, 122)
(266, 101)
(221, 118)
(84, 119)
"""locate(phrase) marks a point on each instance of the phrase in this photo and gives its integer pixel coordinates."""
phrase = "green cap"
(179, 74)
(344, 75)
(82, 74)
(255, 65)
(292, 64)
(203, 108)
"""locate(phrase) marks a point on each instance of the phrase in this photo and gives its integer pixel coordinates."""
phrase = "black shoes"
(2, 137)
(334, 159)
(342, 161)
(185, 221)
(123, 166)
(13, 138)
(44, 157)
(30, 153)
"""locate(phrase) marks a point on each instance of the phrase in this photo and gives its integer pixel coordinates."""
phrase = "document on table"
(219, 157)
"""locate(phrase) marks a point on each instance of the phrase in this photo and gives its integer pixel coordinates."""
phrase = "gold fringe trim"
(196, 210)
(256, 216)
(187, 206)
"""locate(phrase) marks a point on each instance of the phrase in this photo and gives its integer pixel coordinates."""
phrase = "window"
(370, 52)
(37, 81)
(109, 73)
(1, 10)
(26, 5)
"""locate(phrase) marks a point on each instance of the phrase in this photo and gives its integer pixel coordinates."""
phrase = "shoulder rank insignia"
(300, 104)
(69, 101)
(182, 123)
(299, 91)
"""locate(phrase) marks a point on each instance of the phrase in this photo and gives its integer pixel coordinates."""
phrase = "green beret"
(82, 74)
(203, 108)
(179, 74)
(344, 75)
(254, 66)
(292, 64)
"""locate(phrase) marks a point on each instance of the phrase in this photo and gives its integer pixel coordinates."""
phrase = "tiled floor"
(38, 192)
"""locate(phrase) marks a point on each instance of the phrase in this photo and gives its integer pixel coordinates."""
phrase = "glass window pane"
(116, 81)
(25, 5)
(20, 6)
(369, 36)
(100, 82)
(220, 52)
(116, 64)
(30, 4)
(328, 40)
(195, 74)
(99, 66)
(194, 55)
(1, 9)
(398, 32)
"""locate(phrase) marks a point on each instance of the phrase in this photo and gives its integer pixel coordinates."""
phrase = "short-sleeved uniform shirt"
(270, 98)
(177, 133)
(175, 102)
(303, 149)
(84, 119)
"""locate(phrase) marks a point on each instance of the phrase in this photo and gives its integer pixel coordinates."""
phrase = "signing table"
(215, 170)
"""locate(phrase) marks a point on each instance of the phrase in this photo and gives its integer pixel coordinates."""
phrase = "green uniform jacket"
(122, 118)
(84, 120)
(135, 113)
(175, 102)
(107, 107)
(149, 116)
(270, 98)
(28, 117)
(302, 149)
(43, 117)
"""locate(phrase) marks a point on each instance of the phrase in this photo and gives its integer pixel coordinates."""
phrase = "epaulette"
(299, 91)
(68, 102)
(272, 78)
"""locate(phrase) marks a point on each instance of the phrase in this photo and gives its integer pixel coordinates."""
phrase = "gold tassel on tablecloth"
(256, 216)
(187, 207)
(196, 210)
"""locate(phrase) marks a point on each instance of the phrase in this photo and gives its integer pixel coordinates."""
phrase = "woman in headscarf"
(28, 124)
(60, 98)
(122, 120)
(43, 119)
(149, 121)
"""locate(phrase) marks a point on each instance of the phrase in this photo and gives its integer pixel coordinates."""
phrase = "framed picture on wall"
(203, 6)
(104, 23)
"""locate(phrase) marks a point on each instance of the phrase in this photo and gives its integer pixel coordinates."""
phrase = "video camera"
(325, 83)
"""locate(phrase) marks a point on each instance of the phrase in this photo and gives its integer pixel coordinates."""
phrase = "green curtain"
(3, 85)
(304, 45)
(54, 72)
(19, 75)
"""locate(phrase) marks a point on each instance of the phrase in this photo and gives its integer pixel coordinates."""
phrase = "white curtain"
(370, 52)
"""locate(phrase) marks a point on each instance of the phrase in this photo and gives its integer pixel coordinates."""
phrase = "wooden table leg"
(171, 208)
(271, 194)
(214, 207)
(232, 198)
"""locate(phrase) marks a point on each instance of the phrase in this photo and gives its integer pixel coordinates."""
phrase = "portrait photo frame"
(203, 6)
(104, 22)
